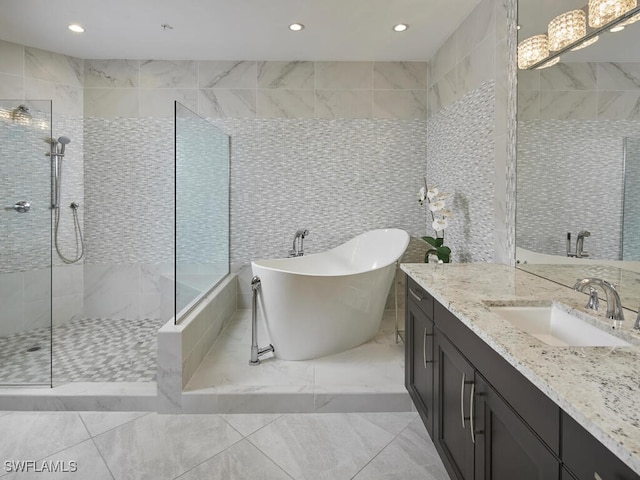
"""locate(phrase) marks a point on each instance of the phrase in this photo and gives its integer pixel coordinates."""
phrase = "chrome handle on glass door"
(20, 207)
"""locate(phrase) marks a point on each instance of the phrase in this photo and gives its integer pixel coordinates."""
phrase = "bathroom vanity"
(498, 402)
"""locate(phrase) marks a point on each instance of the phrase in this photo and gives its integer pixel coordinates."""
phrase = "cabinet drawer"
(420, 297)
(586, 457)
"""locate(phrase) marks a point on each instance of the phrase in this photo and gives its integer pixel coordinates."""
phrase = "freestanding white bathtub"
(328, 302)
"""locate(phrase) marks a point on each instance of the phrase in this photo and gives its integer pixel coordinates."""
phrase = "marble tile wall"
(250, 89)
(471, 129)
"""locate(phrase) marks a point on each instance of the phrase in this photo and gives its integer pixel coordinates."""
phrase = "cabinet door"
(453, 378)
(506, 448)
(419, 362)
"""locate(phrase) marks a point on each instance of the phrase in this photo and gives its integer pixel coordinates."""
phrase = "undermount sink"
(557, 327)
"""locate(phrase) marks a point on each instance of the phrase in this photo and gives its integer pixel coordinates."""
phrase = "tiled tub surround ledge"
(597, 386)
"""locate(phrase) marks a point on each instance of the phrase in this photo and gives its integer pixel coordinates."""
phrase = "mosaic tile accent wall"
(337, 178)
(460, 143)
(555, 154)
(129, 178)
(631, 231)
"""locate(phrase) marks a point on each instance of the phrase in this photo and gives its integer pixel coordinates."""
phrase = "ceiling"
(235, 29)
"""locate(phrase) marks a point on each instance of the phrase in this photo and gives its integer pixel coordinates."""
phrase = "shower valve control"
(20, 207)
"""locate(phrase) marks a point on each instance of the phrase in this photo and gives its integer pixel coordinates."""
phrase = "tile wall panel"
(338, 178)
(461, 151)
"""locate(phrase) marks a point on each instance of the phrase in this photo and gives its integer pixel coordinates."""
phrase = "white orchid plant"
(435, 202)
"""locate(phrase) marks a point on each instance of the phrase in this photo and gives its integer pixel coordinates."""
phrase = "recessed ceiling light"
(296, 27)
(617, 28)
(518, 27)
(74, 27)
(401, 27)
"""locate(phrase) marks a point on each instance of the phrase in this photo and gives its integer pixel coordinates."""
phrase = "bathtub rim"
(288, 260)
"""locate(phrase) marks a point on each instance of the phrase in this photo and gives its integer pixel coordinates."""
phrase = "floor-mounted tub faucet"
(298, 243)
(580, 243)
(614, 305)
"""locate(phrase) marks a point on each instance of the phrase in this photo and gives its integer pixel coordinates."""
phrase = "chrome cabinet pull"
(415, 295)
(471, 411)
(462, 400)
(424, 348)
(596, 476)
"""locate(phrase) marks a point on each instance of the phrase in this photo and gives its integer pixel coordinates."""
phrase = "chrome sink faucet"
(614, 305)
(298, 243)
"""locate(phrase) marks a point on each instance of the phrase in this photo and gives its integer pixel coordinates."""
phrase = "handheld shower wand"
(57, 153)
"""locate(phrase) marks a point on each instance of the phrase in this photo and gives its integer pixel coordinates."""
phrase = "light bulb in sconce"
(602, 12)
(567, 28)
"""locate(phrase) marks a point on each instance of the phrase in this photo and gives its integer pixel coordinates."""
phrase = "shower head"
(63, 141)
(21, 113)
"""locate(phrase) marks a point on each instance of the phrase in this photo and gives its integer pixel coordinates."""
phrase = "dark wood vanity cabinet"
(419, 351)
(488, 421)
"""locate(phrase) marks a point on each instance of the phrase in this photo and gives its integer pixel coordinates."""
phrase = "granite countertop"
(598, 386)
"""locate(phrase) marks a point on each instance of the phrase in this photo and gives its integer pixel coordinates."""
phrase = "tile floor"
(123, 445)
(369, 377)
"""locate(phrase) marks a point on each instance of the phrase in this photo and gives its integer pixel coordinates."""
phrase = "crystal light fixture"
(602, 12)
(586, 43)
(631, 20)
(566, 29)
(532, 50)
(548, 64)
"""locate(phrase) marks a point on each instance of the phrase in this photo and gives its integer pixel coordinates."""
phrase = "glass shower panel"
(202, 207)
(631, 209)
(25, 243)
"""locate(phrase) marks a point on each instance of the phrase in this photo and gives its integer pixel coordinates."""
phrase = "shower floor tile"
(84, 350)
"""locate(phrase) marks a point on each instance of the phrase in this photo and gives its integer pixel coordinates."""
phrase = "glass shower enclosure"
(202, 155)
(25, 243)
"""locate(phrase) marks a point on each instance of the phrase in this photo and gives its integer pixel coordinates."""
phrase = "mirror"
(578, 158)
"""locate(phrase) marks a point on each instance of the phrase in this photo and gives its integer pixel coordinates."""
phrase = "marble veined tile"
(344, 75)
(569, 76)
(168, 74)
(292, 75)
(400, 104)
(87, 464)
(400, 75)
(161, 447)
(619, 105)
(344, 103)
(570, 105)
(227, 103)
(411, 455)
(475, 28)
(160, 102)
(443, 61)
(321, 446)
(111, 102)
(227, 74)
(239, 461)
(36, 435)
(618, 76)
(392, 422)
(66, 99)
(248, 423)
(100, 422)
(111, 73)
(11, 86)
(53, 67)
(11, 58)
(283, 103)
